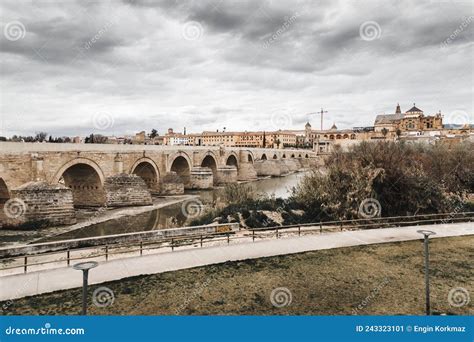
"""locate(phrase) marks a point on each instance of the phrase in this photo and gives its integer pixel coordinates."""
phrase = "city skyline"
(121, 67)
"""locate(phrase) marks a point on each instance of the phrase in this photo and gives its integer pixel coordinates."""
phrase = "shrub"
(405, 179)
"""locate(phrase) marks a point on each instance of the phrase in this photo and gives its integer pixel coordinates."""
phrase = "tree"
(384, 132)
(96, 139)
(153, 133)
(40, 136)
(398, 132)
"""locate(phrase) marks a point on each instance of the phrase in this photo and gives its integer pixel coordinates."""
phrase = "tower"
(398, 110)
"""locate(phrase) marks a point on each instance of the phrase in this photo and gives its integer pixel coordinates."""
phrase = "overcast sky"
(118, 67)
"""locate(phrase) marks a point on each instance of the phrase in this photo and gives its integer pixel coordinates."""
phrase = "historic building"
(412, 124)
(412, 120)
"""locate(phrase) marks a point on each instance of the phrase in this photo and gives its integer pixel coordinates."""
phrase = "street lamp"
(85, 267)
(426, 234)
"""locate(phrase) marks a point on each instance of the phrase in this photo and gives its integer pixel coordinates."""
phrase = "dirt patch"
(385, 279)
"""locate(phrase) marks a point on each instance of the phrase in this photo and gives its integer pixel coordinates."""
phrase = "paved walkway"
(21, 285)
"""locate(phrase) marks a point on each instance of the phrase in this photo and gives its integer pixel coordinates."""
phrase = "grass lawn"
(367, 280)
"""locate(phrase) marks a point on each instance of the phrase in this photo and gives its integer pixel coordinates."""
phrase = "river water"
(173, 216)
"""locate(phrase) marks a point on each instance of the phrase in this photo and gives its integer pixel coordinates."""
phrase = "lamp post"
(426, 234)
(85, 267)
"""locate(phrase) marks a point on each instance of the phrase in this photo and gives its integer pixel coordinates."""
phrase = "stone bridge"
(44, 181)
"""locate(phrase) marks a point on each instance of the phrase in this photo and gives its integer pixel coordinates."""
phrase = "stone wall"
(126, 190)
(292, 164)
(271, 167)
(38, 204)
(171, 184)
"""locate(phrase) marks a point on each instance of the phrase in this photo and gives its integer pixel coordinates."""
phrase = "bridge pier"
(171, 184)
(246, 172)
(201, 178)
(39, 204)
(226, 174)
(124, 190)
(270, 167)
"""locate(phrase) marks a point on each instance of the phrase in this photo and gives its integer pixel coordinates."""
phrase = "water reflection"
(172, 216)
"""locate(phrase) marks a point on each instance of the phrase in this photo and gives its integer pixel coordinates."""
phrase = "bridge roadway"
(21, 285)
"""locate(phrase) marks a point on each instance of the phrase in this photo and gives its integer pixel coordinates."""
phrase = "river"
(172, 216)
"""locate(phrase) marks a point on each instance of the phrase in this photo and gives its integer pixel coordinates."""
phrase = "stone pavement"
(21, 285)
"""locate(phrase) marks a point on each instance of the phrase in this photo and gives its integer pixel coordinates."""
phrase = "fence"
(61, 252)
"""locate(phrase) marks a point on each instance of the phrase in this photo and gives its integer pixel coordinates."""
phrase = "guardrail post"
(172, 244)
(228, 238)
(106, 252)
(26, 264)
(341, 227)
(201, 240)
(299, 230)
(277, 233)
(141, 248)
(68, 256)
(253, 235)
(320, 227)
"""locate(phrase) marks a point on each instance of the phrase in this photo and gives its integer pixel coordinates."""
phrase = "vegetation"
(404, 179)
(39, 137)
(96, 139)
(386, 279)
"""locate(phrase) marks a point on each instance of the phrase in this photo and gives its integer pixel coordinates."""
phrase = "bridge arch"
(293, 155)
(4, 197)
(210, 161)
(4, 193)
(86, 180)
(275, 156)
(283, 156)
(181, 164)
(232, 161)
(250, 157)
(263, 157)
(147, 169)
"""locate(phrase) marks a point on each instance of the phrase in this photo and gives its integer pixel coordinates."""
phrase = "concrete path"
(21, 285)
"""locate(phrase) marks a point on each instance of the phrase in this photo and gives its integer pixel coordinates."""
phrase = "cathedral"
(412, 120)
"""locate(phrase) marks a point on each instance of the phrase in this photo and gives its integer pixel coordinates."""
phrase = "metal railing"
(111, 249)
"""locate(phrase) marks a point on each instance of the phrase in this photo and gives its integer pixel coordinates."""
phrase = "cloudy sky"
(117, 67)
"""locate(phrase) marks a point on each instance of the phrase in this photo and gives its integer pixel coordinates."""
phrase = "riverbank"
(365, 280)
(166, 212)
(85, 218)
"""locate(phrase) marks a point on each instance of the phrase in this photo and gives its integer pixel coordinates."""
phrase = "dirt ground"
(368, 280)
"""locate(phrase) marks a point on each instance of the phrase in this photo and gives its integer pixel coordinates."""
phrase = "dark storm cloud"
(213, 64)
